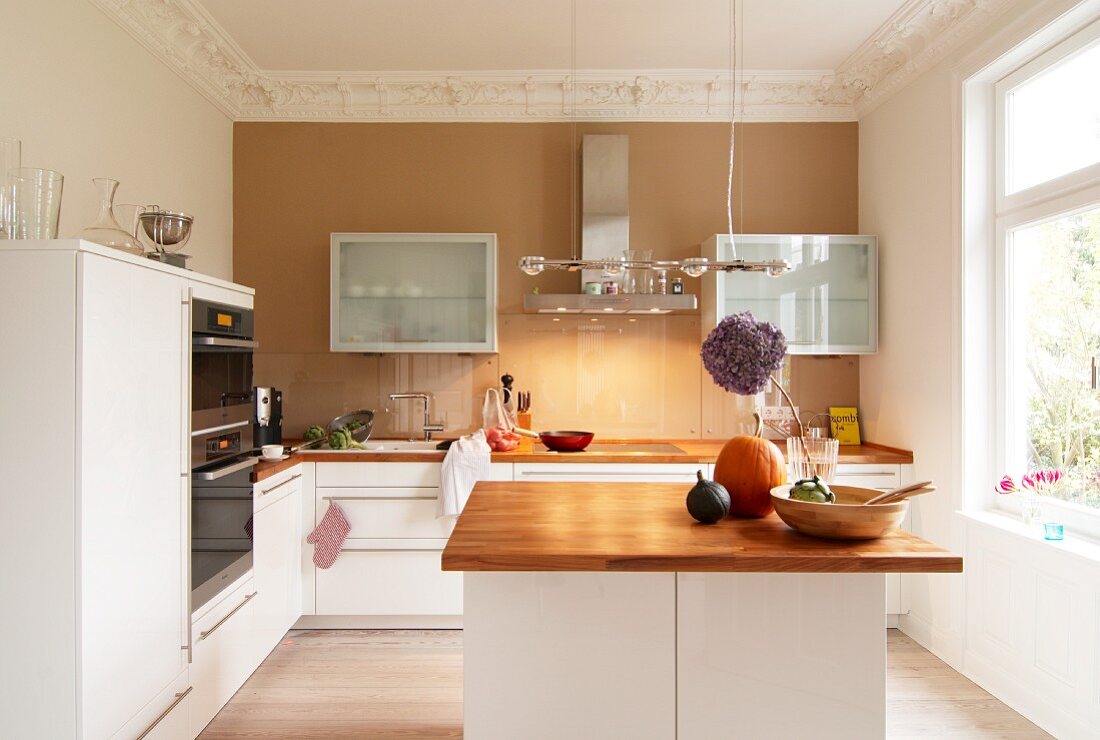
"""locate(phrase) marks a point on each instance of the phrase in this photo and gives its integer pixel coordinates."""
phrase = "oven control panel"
(223, 445)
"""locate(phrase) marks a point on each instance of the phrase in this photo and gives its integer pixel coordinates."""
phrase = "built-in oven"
(221, 532)
(222, 343)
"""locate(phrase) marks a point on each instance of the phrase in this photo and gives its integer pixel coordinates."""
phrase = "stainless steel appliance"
(221, 532)
(267, 428)
(222, 447)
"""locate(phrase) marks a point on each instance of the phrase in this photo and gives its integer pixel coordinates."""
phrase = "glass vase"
(105, 229)
(1031, 510)
(36, 194)
(10, 161)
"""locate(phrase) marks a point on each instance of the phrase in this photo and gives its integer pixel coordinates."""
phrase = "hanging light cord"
(573, 144)
(733, 116)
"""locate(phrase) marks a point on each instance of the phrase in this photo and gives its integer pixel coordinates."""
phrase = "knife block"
(523, 421)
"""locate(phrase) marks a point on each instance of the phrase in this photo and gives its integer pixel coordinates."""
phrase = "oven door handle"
(227, 470)
(222, 428)
(224, 342)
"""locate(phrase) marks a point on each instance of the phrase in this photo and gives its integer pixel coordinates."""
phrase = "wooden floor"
(408, 684)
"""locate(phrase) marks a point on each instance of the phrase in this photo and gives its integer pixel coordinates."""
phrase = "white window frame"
(1064, 195)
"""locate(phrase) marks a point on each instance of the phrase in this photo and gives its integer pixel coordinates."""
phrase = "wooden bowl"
(844, 520)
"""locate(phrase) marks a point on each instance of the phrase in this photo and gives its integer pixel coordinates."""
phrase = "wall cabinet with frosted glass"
(826, 304)
(413, 293)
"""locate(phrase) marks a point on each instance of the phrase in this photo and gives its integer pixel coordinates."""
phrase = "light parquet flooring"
(407, 685)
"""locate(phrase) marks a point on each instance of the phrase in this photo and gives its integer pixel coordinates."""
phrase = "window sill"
(1074, 544)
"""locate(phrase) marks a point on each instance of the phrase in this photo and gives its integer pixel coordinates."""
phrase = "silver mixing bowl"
(168, 230)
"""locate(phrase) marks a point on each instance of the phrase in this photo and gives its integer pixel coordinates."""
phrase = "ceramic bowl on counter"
(846, 519)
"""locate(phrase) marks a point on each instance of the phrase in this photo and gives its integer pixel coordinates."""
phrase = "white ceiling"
(456, 35)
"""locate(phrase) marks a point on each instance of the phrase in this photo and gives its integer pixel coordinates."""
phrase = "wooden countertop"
(694, 451)
(646, 527)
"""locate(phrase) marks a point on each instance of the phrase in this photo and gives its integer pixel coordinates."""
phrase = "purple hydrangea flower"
(741, 353)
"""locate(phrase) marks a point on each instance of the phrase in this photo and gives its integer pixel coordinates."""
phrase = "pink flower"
(1006, 486)
(1041, 482)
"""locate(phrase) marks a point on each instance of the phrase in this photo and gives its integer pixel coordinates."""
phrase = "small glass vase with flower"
(1030, 492)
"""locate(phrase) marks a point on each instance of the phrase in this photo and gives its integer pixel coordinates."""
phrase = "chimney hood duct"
(605, 233)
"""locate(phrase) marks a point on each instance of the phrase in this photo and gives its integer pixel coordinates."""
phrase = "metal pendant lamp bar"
(692, 266)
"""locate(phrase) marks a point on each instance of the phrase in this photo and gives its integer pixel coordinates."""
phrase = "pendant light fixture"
(690, 266)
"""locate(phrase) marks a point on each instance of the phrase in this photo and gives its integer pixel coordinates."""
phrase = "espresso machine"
(267, 428)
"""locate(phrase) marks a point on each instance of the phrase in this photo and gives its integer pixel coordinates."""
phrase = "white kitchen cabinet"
(96, 361)
(224, 653)
(608, 472)
(276, 556)
(825, 304)
(389, 572)
(413, 293)
(390, 578)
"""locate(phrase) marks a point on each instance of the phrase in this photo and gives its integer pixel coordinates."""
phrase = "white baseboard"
(338, 622)
(1023, 698)
(944, 644)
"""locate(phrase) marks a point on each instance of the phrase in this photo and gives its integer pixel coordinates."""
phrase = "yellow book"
(844, 424)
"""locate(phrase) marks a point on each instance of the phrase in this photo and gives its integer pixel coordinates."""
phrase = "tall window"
(1048, 229)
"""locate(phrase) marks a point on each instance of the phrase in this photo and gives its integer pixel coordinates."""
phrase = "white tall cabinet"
(94, 513)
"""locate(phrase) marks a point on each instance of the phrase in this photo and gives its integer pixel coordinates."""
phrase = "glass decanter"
(105, 229)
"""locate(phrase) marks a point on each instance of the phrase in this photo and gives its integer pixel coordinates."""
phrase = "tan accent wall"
(295, 183)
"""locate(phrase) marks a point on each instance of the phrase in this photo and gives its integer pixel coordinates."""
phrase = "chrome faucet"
(429, 427)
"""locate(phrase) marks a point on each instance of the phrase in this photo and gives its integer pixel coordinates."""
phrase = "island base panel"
(662, 655)
(569, 655)
(781, 655)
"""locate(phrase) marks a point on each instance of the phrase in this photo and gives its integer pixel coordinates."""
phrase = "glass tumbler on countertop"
(810, 456)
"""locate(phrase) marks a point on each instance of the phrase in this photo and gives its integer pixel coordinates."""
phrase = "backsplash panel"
(618, 377)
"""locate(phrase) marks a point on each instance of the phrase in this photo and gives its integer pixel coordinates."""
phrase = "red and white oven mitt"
(328, 538)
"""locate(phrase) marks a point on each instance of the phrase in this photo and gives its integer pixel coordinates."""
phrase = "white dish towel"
(466, 463)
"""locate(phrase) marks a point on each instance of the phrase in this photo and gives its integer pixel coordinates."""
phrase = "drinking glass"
(638, 280)
(809, 456)
(10, 159)
(37, 195)
(1031, 510)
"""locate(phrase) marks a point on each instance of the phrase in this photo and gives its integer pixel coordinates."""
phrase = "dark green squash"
(708, 502)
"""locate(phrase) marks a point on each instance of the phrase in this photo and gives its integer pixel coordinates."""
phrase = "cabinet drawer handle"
(291, 479)
(393, 549)
(206, 633)
(179, 697)
(551, 473)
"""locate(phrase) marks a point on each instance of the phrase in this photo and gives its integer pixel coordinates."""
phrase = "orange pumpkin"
(750, 466)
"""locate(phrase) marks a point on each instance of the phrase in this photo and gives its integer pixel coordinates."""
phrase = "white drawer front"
(378, 475)
(609, 472)
(376, 518)
(388, 582)
(882, 482)
(342, 494)
(267, 492)
(224, 655)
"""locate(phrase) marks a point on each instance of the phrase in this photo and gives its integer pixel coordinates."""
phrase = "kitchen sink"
(384, 445)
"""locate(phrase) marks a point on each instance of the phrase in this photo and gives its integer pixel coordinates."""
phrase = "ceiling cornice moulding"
(184, 35)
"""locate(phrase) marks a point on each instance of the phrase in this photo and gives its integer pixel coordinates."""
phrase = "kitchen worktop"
(692, 451)
(645, 527)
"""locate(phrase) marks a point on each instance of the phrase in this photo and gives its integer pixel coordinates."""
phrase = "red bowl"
(566, 441)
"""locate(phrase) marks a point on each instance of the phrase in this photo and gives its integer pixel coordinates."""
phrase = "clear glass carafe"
(105, 229)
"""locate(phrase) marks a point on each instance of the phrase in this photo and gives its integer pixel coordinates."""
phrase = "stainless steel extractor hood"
(605, 233)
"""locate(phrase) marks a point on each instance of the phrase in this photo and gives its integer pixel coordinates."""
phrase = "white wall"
(911, 396)
(87, 100)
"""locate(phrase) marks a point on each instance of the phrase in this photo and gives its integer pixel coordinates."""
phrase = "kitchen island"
(603, 610)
